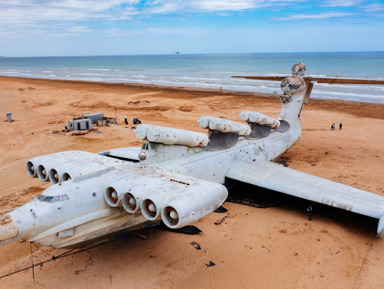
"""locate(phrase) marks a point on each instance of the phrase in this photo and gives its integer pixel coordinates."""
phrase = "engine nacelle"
(62, 166)
(153, 204)
(115, 192)
(193, 205)
(132, 199)
(43, 172)
(31, 167)
(78, 166)
(33, 164)
(54, 176)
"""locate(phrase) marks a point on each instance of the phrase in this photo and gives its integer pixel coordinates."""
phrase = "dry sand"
(253, 248)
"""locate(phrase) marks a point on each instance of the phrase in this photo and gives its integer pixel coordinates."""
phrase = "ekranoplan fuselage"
(177, 176)
(84, 203)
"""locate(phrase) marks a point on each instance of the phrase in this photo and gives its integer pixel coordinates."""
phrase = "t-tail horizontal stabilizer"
(300, 70)
(275, 177)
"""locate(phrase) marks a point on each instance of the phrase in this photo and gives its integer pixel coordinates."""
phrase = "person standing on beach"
(340, 126)
(309, 211)
(333, 126)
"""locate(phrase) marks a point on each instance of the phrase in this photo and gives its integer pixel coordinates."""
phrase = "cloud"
(33, 11)
(21, 17)
(78, 29)
(318, 16)
(340, 3)
(27, 12)
(223, 5)
(172, 6)
(373, 7)
(64, 17)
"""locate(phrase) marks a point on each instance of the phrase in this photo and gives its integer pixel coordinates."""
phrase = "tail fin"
(297, 89)
(296, 93)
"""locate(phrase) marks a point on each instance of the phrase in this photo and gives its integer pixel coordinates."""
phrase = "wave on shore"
(211, 71)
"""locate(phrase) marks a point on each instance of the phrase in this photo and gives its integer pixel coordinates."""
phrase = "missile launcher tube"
(224, 125)
(170, 136)
(141, 131)
(259, 118)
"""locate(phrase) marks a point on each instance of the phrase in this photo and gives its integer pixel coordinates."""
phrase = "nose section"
(8, 228)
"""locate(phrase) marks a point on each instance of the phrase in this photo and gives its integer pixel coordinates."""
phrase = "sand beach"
(252, 248)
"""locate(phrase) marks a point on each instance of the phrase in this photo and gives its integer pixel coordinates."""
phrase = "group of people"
(340, 126)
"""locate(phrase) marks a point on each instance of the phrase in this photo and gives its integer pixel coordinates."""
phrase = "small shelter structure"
(79, 124)
(94, 116)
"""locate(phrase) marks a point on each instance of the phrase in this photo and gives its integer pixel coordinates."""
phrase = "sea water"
(212, 70)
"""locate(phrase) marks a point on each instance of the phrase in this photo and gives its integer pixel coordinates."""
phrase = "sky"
(115, 27)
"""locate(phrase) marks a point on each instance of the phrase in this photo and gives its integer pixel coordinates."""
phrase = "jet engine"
(131, 200)
(72, 171)
(114, 192)
(161, 193)
(152, 205)
(43, 170)
(130, 191)
(67, 165)
(176, 199)
(193, 205)
(33, 163)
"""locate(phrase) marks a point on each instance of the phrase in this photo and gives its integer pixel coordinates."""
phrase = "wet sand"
(253, 248)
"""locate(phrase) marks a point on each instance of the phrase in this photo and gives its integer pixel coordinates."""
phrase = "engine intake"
(116, 191)
(131, 200)
(153, 204)
(31, 168)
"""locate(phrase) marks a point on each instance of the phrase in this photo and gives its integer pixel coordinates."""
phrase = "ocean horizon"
(212, 70)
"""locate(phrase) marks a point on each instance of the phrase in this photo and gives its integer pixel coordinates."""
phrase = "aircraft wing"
(276, 177)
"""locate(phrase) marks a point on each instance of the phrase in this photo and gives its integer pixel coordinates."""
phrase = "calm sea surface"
(211, 70)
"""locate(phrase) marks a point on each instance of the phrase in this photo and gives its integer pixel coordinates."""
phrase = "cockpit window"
(53, 199)
(48, 199)
(144, 146)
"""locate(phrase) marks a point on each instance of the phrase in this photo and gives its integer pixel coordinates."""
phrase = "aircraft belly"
(93, 231)
(295, 183)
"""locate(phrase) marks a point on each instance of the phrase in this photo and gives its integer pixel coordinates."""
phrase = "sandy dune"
(253, 248)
